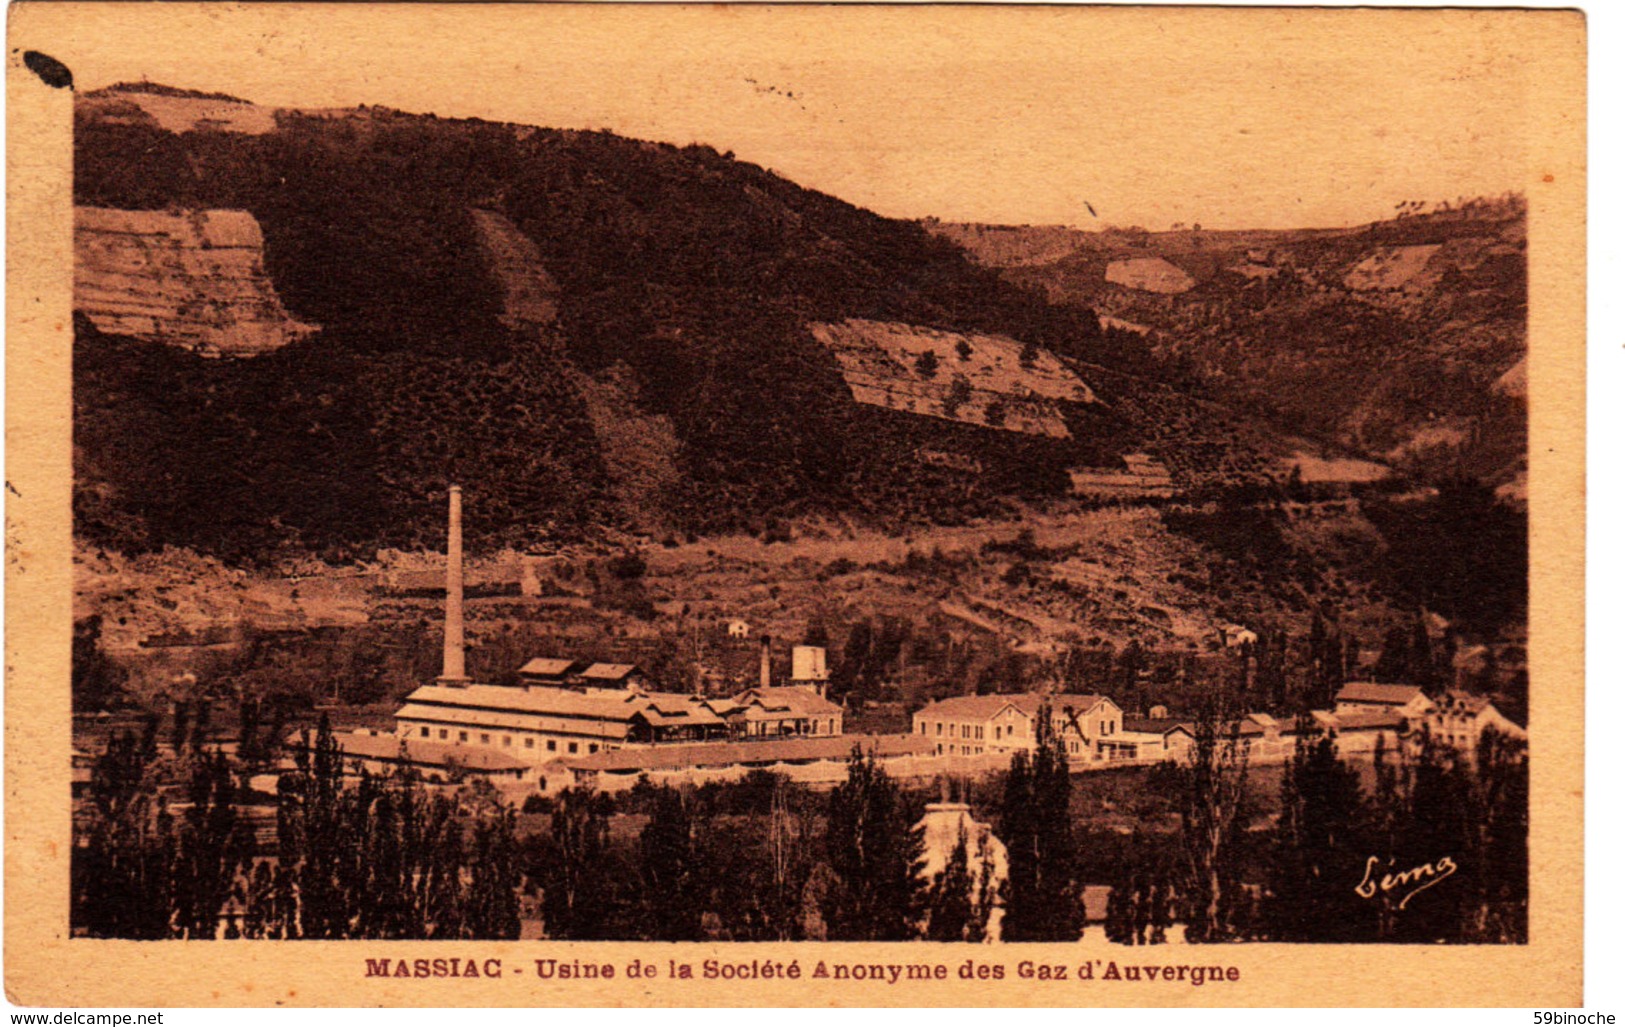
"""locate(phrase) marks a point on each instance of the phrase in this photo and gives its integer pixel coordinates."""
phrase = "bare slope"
(977, 379)
(194, 279)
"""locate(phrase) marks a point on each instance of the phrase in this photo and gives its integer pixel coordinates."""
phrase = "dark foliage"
(1035, 823)
(695, 273)
(1319, 847)
(874, 853)
(372, 858)
(1460, 553)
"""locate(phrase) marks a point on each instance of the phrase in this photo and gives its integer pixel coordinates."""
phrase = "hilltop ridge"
(1388, 338)
(527, 309)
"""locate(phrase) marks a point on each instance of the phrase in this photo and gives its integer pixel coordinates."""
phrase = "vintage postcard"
(767, 505)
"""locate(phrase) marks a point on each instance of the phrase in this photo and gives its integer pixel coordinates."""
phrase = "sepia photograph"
(752, 485)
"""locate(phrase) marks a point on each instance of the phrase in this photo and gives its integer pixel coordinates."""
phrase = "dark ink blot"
(50, 70)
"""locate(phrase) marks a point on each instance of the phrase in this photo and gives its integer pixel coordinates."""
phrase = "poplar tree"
(1213, 785)
(570, 864)
(1041, 898)
(491, 904)
(123, 856)
(950, 913)
(1319, 847)
(874, 852)
(668, 867)
(211, 847)
(961, 898)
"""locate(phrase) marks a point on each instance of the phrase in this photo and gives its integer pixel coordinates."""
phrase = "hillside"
(679, 389)
(585, 330)
(1393, 339)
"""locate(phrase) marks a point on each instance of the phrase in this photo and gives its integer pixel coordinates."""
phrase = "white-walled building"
(1089, 726)
(785, 710)
(1159, 739)
(537, 723)
(1461, 718)
(1408, 701)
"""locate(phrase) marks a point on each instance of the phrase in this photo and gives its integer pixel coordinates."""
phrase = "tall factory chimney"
(767, 661)
(451, 672)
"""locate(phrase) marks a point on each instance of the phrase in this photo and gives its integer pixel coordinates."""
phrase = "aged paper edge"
(44, 966)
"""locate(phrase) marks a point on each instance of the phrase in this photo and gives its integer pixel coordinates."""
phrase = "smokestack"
(452, 666)
(767, 662)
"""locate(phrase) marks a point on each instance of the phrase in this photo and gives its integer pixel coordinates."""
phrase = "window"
(939, 729)
(507, 740)
(996, 730)
(423, 732)
(530, 743)
(485, 739)
(442, 734)
(552, 746)
(462, 736)
(573, 748)
(592, 748)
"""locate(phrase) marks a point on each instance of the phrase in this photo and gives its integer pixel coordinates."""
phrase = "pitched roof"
(1372, 692)
(985, 707)
(1148, 726)
(546, 666)
(794, 699)
(1456, 701)
(1077, 703)
(540, 699)
(978, 707)
(610, 671)
(695, 714)
(1466, 701)
(1376, 721)
(750, 753)
(389, 747)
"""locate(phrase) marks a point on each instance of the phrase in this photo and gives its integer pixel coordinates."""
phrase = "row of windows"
(959, 750)
(1107, 727)
(976, 731)
(573, 748)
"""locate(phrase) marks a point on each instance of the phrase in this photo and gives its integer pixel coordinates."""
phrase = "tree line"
(1339, 859)
(164, 849)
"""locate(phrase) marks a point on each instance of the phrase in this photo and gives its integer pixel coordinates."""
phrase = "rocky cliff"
(194, 279)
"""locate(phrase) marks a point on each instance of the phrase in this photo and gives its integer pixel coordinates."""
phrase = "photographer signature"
(1407, 882)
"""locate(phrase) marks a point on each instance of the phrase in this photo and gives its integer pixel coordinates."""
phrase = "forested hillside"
(1402, 340)
(493, 303)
